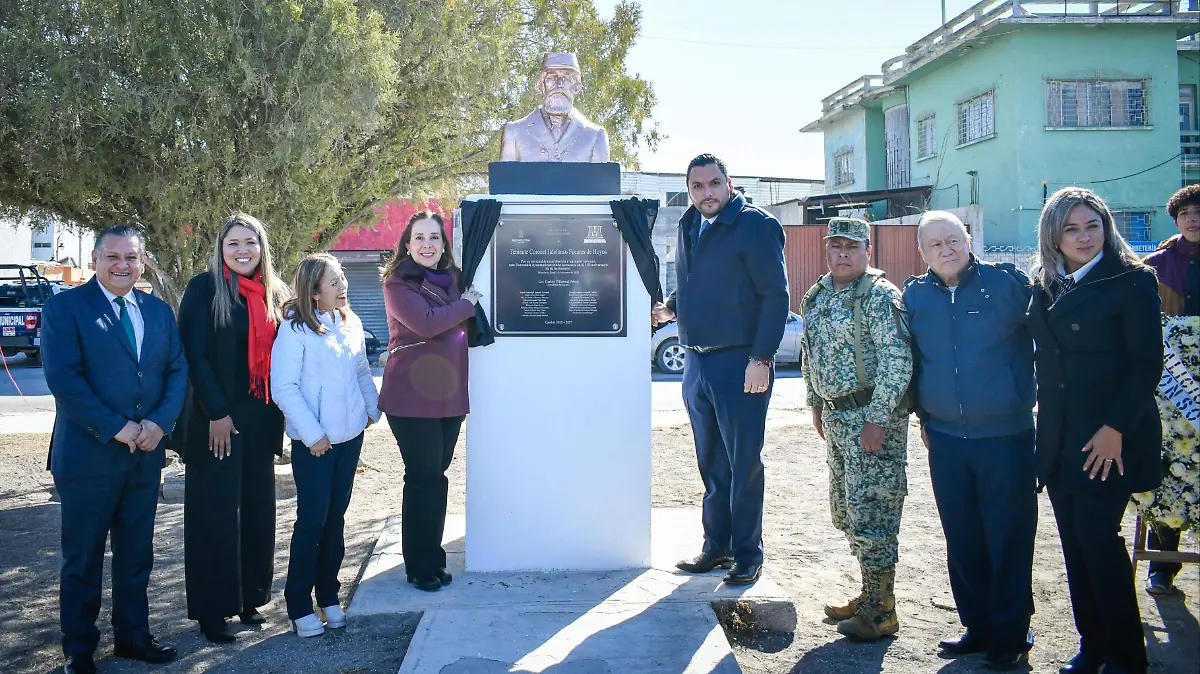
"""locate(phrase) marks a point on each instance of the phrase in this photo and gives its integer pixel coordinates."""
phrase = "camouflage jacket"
(830, 370)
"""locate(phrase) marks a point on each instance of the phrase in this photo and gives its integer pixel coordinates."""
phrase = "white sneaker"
(308, 626)
(334, 616)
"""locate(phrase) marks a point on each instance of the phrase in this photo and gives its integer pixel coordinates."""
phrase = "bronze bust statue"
(556, 131)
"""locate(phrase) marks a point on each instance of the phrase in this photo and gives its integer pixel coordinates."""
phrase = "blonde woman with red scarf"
(228, 320)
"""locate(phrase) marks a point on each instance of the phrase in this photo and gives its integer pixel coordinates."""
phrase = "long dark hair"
(400, 254)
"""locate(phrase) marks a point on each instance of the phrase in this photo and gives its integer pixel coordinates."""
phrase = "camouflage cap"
(849, 228)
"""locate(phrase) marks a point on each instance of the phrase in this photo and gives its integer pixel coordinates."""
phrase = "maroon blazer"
(426, 371)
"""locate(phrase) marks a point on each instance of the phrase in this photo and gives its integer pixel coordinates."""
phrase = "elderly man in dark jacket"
(732, 303)
(975, 393)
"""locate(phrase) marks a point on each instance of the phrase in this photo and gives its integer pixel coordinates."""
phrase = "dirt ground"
(804, 554)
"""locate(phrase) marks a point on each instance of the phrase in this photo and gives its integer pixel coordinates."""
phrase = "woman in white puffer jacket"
(321, 380)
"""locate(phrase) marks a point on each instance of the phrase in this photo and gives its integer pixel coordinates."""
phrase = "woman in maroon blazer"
(424, 393)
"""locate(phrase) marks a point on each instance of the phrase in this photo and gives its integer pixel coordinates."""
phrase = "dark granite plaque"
(558, 276)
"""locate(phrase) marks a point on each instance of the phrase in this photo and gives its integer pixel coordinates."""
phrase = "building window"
(1096, 103)
(41, 244)
(843, 168)
(1133, 225)
(895, 146)
(677, 199)
(926, 137)
(976, 119)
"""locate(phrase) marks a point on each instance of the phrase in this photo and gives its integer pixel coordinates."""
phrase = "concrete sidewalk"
(652, 621)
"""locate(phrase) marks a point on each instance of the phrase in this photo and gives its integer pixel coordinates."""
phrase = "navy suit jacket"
(99, 383)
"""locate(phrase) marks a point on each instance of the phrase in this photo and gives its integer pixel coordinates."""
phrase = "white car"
(667, 353)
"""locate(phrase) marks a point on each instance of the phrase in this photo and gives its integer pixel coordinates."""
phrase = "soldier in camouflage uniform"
(860, 407)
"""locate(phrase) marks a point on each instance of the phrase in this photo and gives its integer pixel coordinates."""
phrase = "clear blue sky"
(746, 104)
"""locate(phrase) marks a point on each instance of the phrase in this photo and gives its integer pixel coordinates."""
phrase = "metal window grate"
(1096, 103)
(678, 199)
(895, 145)
(843, 167)
(976, 118)
(1133, 225)
(926, 137)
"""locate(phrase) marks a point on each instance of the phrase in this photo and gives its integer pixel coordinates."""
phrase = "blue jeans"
(323, 487)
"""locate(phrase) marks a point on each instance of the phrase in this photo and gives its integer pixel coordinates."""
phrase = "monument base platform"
(638, 620)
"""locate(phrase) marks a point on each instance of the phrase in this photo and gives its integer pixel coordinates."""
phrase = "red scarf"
(262, 333)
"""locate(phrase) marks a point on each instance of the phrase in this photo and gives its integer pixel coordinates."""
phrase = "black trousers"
(1100, 576)
(427, 447)
(986, 493)
(123, 504)
(323, 487)
(729, 426)
(1163, 537)
(229, 526)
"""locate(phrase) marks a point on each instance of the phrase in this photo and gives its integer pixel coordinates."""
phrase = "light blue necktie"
(127, 323)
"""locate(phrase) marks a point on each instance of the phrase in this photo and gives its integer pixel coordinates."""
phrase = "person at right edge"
(1098, 359)
(1177, 262)
(858, 365)
(731, 303)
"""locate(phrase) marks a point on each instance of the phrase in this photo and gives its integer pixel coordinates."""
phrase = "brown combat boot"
(876, 617)
(850, 609)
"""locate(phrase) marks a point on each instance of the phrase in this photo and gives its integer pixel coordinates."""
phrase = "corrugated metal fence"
(893, 249)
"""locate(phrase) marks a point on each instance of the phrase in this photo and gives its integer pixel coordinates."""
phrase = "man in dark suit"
(114, 362)
(732, 304)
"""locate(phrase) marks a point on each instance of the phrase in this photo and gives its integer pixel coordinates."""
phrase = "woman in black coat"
(227, 321)
(1094, 317)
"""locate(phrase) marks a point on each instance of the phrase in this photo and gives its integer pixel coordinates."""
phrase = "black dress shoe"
(432, 584)
(251, 616)
(151, 652)
(216, 630)
(79, 664)
(1004, 661)
(445, 576)
(743, 574)
(1082, 663)
(704, 562)
(965, 645)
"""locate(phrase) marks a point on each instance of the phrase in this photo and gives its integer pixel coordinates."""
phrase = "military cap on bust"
(566, 61)
(849, 228)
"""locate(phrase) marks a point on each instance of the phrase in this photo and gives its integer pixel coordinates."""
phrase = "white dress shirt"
(135, 315)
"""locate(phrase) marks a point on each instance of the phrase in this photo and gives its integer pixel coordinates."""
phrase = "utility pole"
(943, 12)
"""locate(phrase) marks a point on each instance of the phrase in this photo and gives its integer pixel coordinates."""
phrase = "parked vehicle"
(667, 354)
(23, 292)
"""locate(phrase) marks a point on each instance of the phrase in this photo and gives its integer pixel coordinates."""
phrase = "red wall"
(389, 227)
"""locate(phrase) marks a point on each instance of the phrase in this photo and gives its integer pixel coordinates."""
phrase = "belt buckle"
(830, 405)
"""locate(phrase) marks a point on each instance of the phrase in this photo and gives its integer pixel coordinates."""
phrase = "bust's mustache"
(557, 102)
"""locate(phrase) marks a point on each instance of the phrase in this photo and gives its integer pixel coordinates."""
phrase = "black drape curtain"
(635, 218)
(479, 224)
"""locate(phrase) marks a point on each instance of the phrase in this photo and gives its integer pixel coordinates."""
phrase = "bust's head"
(559, 83)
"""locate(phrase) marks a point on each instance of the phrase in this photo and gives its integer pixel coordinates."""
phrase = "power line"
(1113, 180)
(766, 46)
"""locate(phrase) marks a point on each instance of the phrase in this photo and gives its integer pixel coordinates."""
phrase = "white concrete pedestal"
(558, 439)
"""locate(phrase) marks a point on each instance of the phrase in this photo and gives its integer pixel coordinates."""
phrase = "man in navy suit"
(113, 360)
(731, 304)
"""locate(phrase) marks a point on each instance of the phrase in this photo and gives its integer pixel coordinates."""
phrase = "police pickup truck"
(23, 292)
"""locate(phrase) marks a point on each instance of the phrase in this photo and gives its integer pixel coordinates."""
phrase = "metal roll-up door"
(366, 297)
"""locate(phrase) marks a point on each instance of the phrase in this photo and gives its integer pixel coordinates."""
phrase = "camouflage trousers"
(866, 491)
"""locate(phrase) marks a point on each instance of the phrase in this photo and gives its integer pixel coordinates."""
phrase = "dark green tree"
(307, 113)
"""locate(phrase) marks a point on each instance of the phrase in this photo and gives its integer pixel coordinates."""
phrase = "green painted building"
(1011, 100)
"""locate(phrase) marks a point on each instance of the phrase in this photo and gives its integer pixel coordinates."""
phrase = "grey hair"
(1054, 220)
(938, 216)
(226, 291)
